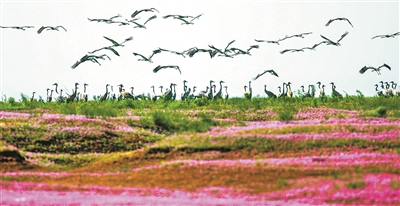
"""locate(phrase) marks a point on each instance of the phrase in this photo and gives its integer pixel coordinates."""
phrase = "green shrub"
(355, 185)
(380, 111)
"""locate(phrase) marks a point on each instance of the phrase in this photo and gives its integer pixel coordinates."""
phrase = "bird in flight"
(174, 52)
(271, 42)
(50, 28)
(16, 27)
(142, 25)
(148, 59)
(296, 35)
(185, 19)
(115, 44)
(92, 58)
(387, 35)
(155, 70)
(377, 70)
(340, 19)
(108, 21)
(143, 10)
(330, 42)
(272, 72)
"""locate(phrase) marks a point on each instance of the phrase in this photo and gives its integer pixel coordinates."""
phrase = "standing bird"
(394, 90)
(377, 70)
(334, 92)
(46, 28)
(248, 94)
(210, 94)
(321, 92)
(33, 97)
(387, 35)
(155, 70)
(378, 92)
(272, 72)
(269, 93)
(84, 96)
(124, 94)
(226, 95)
(56, 84)
(50, 97)
(218, 95)
(72, 97)
(289, 90)
(105, 96)
(341, 19)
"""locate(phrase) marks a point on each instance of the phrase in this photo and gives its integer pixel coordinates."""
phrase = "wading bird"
(174, 52)
(272, 72)
(387, 35)
(33, 97)
(46, 28)
(72, 97)
(377, 70)
(334, 92)
(269, 93)
(105, 96)
(155, 70)
(226, 95)
(248, 94)
(16, 27)
(218, 95)
(340, 19)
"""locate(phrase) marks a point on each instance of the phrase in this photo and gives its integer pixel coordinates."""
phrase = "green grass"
(108, 108)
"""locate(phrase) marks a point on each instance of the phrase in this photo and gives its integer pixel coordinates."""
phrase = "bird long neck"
(184, 86)
(220, 86)
(106, 89)
(56, 88)
(76, 89)
(154, 91)
(211, 88)
(84, 88)
(376, 87)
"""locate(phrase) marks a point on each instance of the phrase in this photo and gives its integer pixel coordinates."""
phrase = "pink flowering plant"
(255, 152)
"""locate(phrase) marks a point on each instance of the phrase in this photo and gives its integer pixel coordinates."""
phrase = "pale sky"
(33, 62)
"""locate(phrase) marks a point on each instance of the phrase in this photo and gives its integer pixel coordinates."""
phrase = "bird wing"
(259, 75)
(151, 18)
(385, 65)
(349, 22)
(196, 17)
(41, 29)
(138, 25)
(229, 44)
(112, 41)
(272, 72)
(143, 57)
(365, 68)
(61, 27)
(343, 35)
(327, 39)
(113, 50)
(329, 22)
(284, 51)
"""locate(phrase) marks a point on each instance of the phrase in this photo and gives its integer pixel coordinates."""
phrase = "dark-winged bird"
(377, 70)
(272, 72)
(155, 70)
(387, 35)
(340, 19)
(50, 28)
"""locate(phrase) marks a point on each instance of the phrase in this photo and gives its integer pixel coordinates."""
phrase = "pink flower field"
(322, 156)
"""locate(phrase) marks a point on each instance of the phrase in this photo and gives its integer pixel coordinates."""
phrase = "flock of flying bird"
(213, 51)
